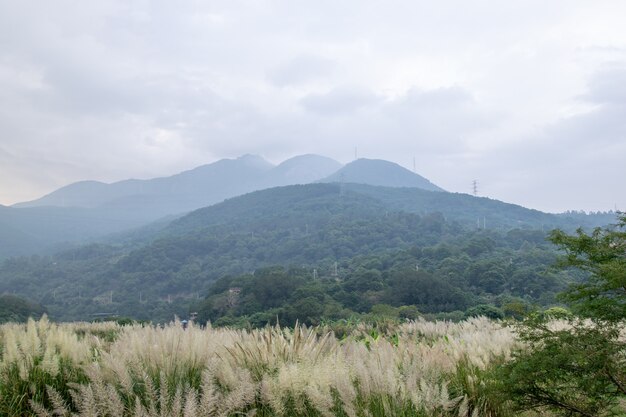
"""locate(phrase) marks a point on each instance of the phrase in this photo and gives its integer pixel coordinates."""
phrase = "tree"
(485, 310)
(16, 309)
(577, 367)
(602, 254)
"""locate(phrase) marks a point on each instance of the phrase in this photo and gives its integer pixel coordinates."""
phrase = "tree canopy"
(602, 254)
(576, 366)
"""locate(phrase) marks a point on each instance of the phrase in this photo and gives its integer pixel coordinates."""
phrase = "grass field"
(416, 368)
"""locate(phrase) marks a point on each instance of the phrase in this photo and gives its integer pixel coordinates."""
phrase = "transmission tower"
(475, 187)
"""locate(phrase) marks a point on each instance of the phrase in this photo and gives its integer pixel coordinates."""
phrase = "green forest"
(321, 251)
(16, 309)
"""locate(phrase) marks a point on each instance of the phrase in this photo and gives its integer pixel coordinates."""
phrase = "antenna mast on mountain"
(475, 187)
(414, 169)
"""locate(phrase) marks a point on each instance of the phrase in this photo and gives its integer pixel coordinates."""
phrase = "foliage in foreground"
(574, 367)
(578, 367)
(415, 369)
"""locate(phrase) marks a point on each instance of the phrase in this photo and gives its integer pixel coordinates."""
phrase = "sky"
(526, 97)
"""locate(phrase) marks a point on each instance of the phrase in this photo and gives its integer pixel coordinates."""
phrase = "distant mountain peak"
(212, 183)
(307, 156)
(302, 169)
(255, 160)
(382, 173)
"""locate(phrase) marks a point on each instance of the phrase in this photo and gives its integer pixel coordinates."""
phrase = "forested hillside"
(88, 211)
(348, 247)
(16, 309)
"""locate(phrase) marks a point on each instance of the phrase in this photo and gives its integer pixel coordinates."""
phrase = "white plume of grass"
(153, 371)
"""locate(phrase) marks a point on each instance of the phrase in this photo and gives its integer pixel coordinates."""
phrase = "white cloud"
(525, 95)
(301, 69)
(339, 101)
(575, 162)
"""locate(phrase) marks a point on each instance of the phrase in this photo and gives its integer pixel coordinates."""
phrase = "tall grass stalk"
(415, 369)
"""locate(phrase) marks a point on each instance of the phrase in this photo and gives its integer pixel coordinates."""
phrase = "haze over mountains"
(212, 183)
(172, 237)
(310, 226)
(382, 173)
(201, 186)
(89, 210)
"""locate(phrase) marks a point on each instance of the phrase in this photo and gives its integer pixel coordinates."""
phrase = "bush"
(573, 368)
(485, 310)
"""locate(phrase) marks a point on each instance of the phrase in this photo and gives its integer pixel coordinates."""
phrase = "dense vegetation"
(373, 234)
(578, 367)
(476, 268)
(16, 309)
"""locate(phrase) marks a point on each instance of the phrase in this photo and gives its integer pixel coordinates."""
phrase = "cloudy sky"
(528, 97)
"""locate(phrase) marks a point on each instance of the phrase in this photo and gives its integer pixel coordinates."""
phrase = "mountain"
(185, 191)
(382, 173)
(90, 210)
(302, 169)
(306, 226)
(25, 231)
(280, 207)
(297, 204)
(212, 183)
(14, 241)
(189, 190)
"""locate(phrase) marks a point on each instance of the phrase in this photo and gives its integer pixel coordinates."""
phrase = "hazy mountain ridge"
(194, 185)
(481, 212)
(469, 211)
(88, 210)
(382, 173)
(131, 204)
(302, 169)
(211, 183)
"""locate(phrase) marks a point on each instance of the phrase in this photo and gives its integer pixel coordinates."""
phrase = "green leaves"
(576, 366)
(602, 254)
(573, 368)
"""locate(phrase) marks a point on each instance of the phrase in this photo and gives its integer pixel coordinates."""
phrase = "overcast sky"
(528, 97)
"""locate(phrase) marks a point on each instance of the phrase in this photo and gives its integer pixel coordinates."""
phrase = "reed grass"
(414, 369)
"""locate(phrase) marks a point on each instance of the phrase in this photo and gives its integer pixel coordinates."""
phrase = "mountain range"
(88, 210)
(162, 269)
(150, 248)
